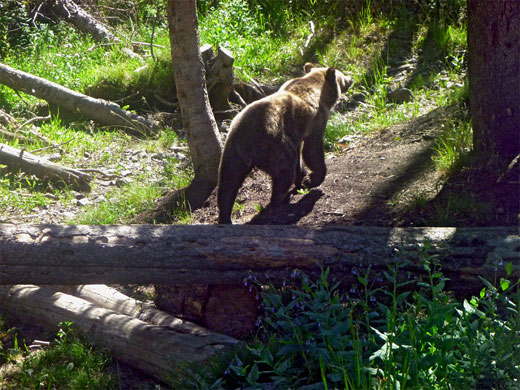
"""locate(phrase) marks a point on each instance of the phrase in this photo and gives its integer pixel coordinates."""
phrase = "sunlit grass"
(454, 146)
(69, 364)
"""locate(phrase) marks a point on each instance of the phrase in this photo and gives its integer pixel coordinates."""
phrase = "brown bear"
(275, 132)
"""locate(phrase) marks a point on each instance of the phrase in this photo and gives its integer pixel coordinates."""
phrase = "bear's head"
(336, 80)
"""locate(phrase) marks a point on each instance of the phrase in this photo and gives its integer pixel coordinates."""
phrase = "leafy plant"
(384, 338)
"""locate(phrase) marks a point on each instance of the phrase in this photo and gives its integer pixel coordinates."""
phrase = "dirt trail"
(387, 179)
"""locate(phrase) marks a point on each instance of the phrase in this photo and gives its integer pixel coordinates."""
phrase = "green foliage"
(454, 146)
(69, 364)
(385, 338)
(13, 27)
(245, 31)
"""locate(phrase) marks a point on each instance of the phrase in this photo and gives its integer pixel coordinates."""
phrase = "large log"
(99, 110)
(50, 254)
(155, 350)
(85, 22)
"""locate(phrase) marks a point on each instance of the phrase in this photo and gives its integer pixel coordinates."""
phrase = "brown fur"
(273, 134)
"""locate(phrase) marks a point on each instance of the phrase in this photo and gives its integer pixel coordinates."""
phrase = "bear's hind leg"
(299, 174)
(282, 183)
(231, 177)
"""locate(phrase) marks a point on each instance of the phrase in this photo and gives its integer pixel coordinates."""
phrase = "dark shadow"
(480, 193)
(376, 210)
(288, 214)
(397, 50)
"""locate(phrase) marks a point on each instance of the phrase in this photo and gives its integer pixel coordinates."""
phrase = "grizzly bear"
(274, 133)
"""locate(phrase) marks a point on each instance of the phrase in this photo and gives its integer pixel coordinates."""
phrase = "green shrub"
(407, 334)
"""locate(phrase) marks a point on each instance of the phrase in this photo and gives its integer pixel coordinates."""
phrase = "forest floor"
(388, 179)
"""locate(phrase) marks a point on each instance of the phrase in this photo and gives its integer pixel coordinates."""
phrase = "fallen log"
(99, 110)
(154, 350)
(71, 12)
(16, 159)
(111, 299)
(51, 254)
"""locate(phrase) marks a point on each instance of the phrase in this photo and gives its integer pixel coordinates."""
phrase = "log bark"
(111, 299)
(154, 350)
(50, 254)
(16, 159)
(99, 110)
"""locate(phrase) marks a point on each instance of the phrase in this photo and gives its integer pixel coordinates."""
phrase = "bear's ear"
(345, 84)
(330, 77)
(308, 66)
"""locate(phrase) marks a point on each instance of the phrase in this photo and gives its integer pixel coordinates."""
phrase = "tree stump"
(228, 309)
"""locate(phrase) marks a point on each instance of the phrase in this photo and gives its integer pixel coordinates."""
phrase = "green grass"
(69, 364)
(454, 146)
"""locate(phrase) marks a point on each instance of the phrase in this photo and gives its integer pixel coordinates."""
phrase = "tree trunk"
(210, 254)
(98, 110)
(154, 350)
(201, 129)
(20, 159)
(494, 76)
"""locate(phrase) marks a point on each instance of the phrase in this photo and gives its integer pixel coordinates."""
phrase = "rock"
(77, 195)
(122, 182)
(177, 148)
(359, 97)
(400, 95)
(100, 199)
(349, 138)
(54, 157)
(83, 202)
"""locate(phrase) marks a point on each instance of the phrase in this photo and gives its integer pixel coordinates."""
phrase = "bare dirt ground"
(387, 180)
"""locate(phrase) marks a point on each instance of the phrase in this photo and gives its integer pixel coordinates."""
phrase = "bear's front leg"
(299, 175)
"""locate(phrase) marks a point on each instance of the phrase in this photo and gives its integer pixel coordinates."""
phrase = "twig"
(52, 146)
(94, 170)
(509, 168)
(164, 101)
(310, 35)
(147, 44)
(36, 13)
(36, 118)
(11, 136)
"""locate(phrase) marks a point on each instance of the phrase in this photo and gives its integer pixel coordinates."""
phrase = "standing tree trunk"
(198, 120)
(494, 76)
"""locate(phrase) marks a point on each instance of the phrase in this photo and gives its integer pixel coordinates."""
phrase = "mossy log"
(98, 110)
